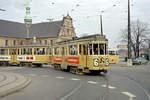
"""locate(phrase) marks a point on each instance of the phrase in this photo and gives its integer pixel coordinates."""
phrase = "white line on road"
(131, 96)
(75, 79)
(60, 77)
(110, 87)
(45, 75)
(31, 74)
(92, 82)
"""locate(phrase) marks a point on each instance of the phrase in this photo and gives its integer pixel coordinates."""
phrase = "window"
(73, 50)
(101, 49)
(21, 43)
(63, 51)
(95, 49)
(45, 42)
(51, 42)
(40, 41)
(14, 42)
(6, 43)
(3, 51)
(90, 49)
(39, 51)
(83, 49)
(56, 51)
(26, 51)
(48, 51)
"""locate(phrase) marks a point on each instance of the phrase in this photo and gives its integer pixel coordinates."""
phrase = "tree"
(139, 35)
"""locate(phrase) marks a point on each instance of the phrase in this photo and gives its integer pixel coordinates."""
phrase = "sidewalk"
(145, 67)
(12, 82)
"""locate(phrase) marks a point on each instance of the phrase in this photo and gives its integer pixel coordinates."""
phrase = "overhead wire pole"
(101, 19)
(129, 63)
(101, 23)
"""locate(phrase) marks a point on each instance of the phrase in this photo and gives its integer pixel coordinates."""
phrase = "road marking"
(60, 77)
(131, 96)
(72, 92)
(75, 79)
(31, 74)
(45, 75)
(110, 87)
(92, 82)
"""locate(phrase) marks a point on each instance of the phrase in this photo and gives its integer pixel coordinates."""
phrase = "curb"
(16, 89)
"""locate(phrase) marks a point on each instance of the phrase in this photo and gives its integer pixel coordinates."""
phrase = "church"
(46, 33)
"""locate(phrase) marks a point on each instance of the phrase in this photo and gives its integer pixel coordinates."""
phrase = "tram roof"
(85, 38)
(27, 45)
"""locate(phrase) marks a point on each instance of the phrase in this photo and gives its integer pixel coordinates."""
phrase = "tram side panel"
(5, 58)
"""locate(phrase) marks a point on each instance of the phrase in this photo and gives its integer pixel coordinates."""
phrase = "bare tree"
(139, 33)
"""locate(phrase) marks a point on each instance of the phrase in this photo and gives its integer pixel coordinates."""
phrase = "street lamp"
(129, 62)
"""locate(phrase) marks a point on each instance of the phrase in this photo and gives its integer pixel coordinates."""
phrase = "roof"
(18, 30)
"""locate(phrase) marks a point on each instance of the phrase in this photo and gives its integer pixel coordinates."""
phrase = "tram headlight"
(107, 62)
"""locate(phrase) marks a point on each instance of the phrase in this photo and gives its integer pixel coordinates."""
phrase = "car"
(140, 61)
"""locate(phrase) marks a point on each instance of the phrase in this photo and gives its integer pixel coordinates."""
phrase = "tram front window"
(98, 49)
(95, 49)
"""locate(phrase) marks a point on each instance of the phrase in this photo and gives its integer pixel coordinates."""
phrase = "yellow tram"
(113, 56)
(86, 54)
(81, 55)
(25, 55)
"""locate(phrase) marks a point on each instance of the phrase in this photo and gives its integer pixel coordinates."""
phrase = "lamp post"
(129, 62)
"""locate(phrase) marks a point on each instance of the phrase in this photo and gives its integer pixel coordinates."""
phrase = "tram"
(88, 54)
(25, 55)
(113, 56)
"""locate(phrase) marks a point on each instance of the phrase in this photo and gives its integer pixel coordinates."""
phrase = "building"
(14, 33)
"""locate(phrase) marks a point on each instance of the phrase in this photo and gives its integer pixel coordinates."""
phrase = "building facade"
(46, 33)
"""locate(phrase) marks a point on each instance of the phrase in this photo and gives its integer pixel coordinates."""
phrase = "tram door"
(84, 54)
(64, 66)
(13, 53)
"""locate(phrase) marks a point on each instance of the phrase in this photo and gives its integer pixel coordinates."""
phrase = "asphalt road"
(49, 84)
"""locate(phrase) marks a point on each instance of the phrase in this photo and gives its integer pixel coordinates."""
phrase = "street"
(49, 84)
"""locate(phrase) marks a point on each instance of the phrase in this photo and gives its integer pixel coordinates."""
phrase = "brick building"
(14, 33)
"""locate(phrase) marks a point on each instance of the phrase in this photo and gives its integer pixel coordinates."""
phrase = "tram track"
(102, 79)
(136, 83)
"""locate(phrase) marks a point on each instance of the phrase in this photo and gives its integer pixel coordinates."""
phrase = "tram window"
(106, 49)
(18, 51)
(47, 51)
(85, 49)
(63, 51)
(101, 49)
(39, 51)
(73, 50)
(80, 49)
(4, 51)
(90, 49)
(50, 51)
(30, 51)
(56, 51)
(95, 49)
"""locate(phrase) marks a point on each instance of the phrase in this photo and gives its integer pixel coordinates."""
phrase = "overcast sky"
(85, 14)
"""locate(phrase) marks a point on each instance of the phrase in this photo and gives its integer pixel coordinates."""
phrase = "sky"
(85, 14)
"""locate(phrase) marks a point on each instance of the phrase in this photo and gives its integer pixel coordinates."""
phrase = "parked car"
(139, 61)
